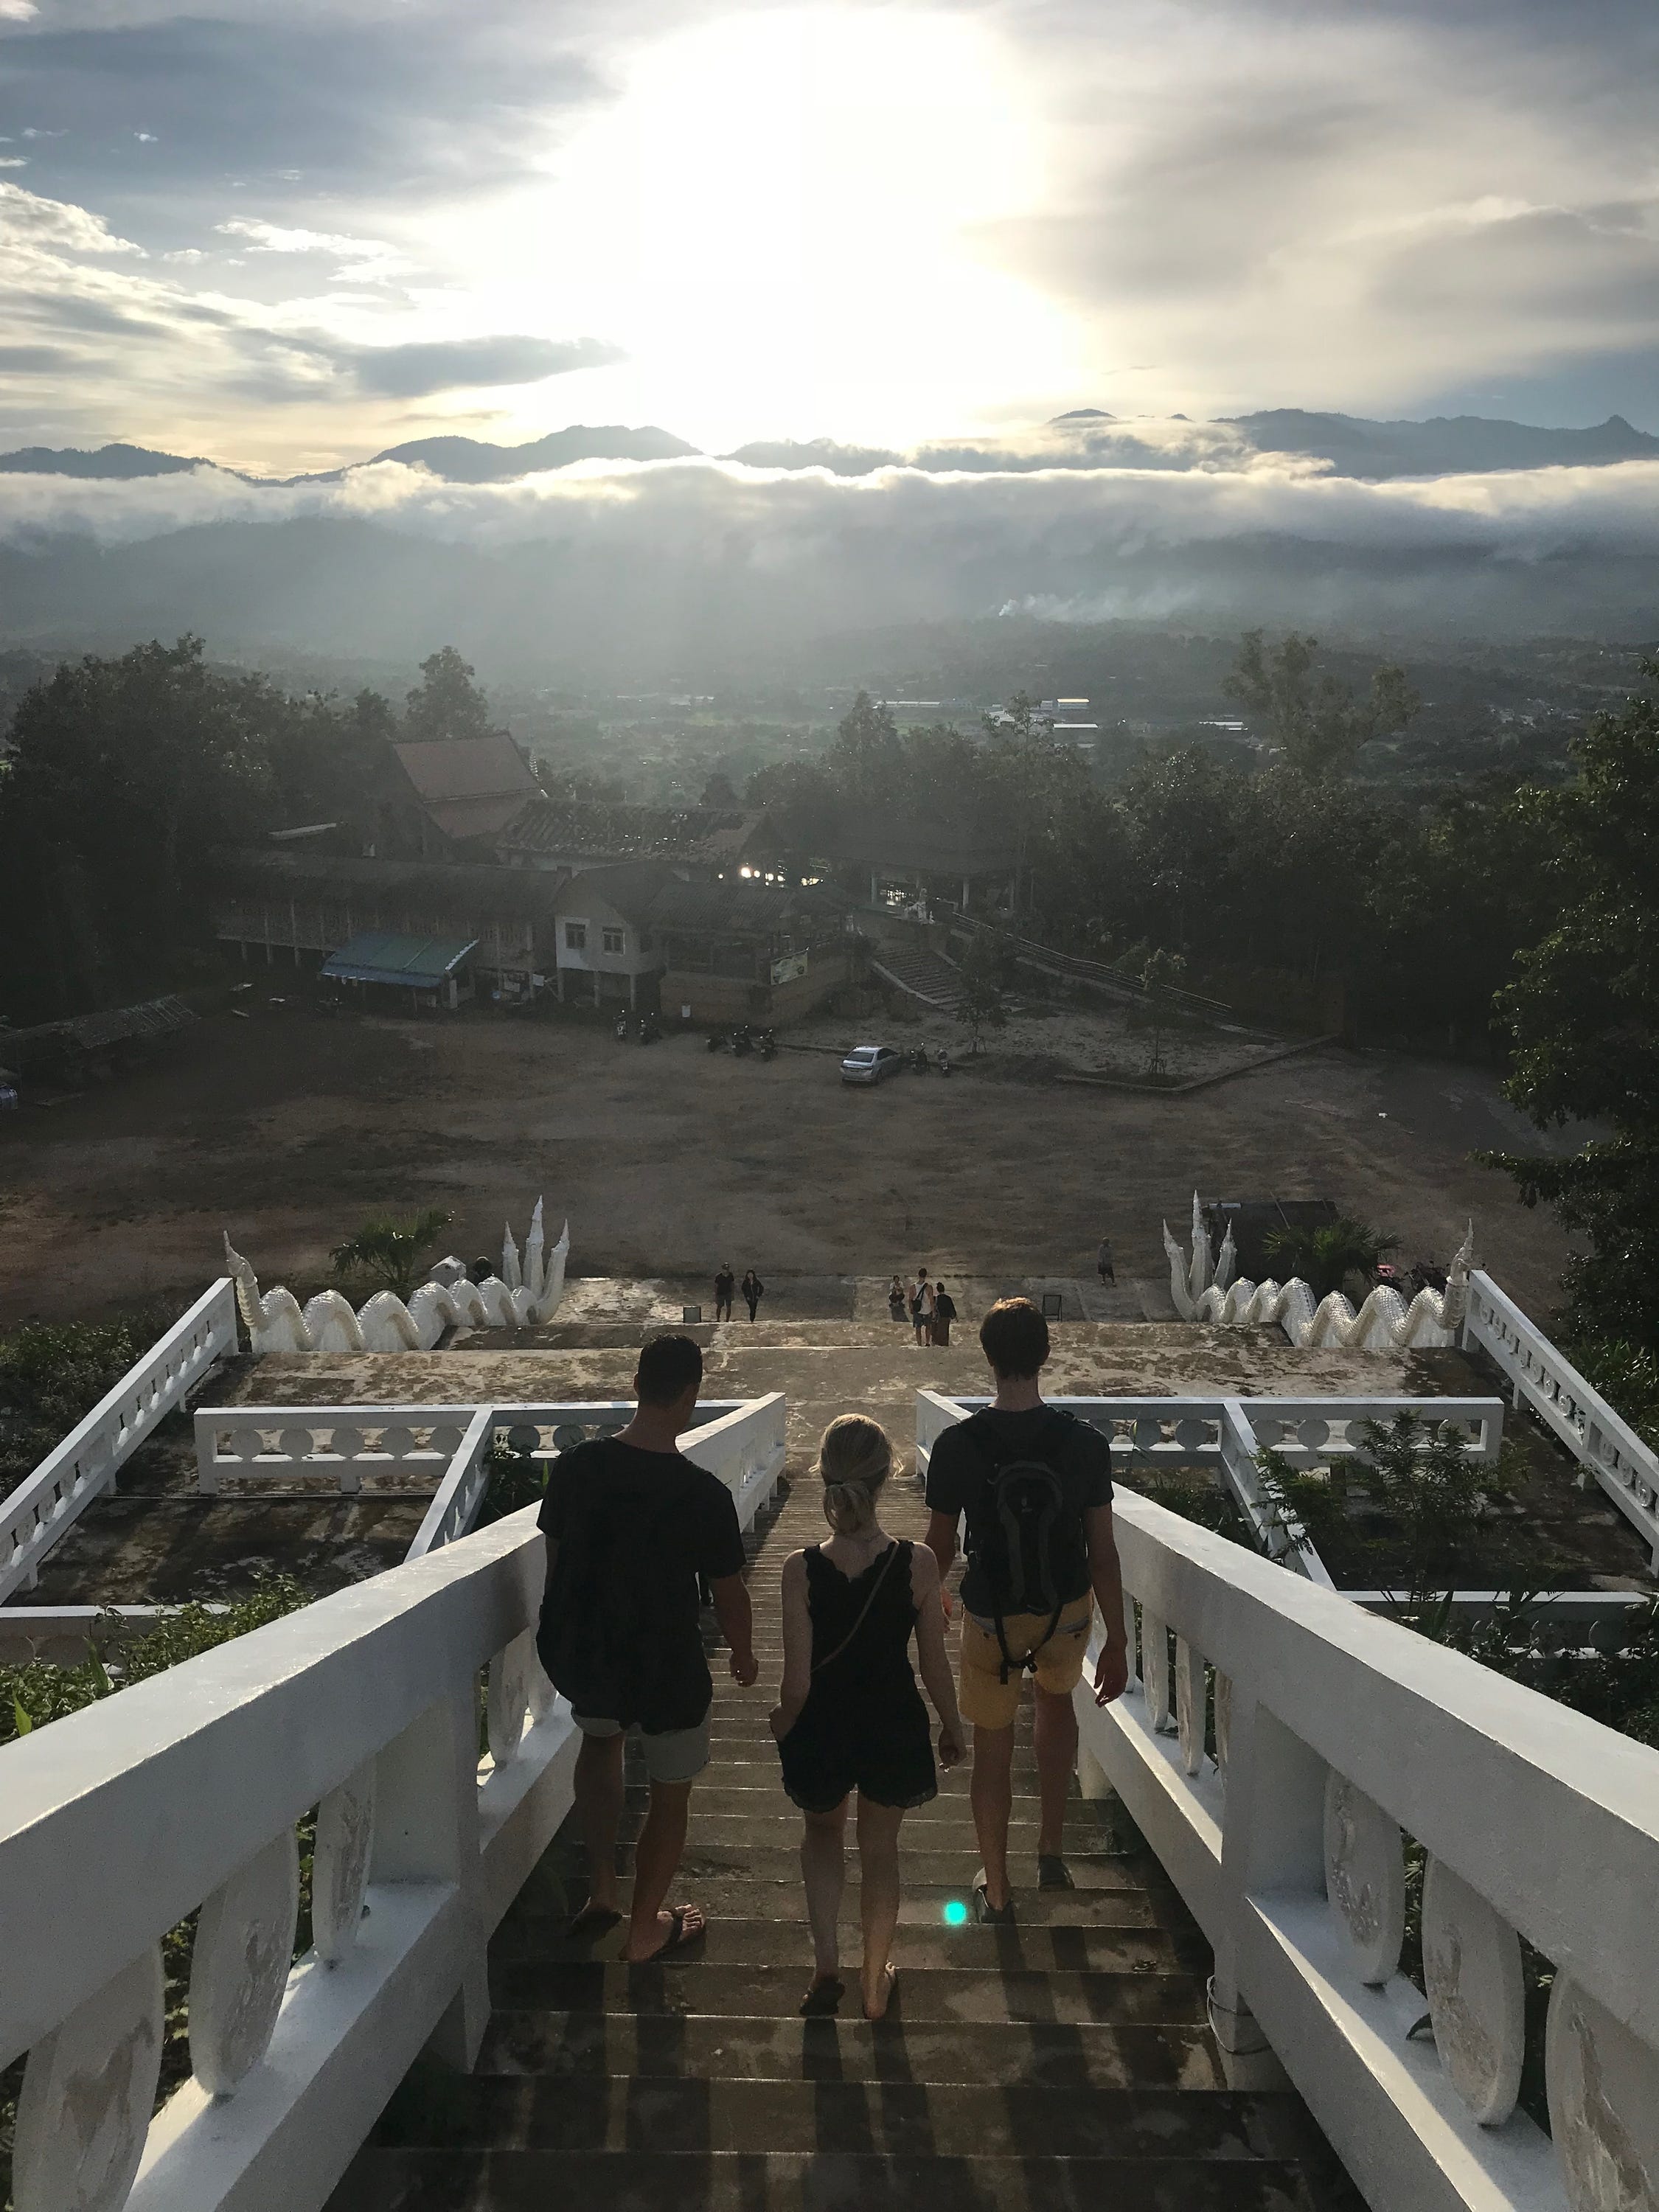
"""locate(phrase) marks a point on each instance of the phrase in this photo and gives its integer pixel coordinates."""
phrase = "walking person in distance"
(945, 1312)
(1103, 1261)
(630, 1527)
(1035, 1486)
(726, 1285)
(849, 1717)
(753, 1292)
(922, 1306)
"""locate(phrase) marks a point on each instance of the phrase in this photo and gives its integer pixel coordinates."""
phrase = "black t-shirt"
(635, 1530)
(959, 1476)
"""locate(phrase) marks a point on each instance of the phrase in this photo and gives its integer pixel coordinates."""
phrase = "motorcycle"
(650, 1030)
(945, 1063)
(743, 1044)
(717, 1042)
(619, 1029)
(919, 1060)
(768, 1047)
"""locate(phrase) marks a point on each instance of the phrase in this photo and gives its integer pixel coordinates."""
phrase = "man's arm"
(737, 1619)
(941, 1541)
(1106, 1574)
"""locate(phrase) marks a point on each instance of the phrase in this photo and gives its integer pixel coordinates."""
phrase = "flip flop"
(1053, 1873)
(823, 1998)
(679, 1937)
(593, 1920)
(989, 1914)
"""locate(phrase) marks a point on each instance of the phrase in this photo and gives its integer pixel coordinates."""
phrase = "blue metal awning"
(381, 956)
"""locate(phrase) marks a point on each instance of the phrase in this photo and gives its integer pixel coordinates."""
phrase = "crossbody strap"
(892, 1553)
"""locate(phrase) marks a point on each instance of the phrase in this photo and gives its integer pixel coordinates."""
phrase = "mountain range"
(1350, 445)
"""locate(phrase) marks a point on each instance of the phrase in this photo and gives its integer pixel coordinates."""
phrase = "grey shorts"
(673, 1755)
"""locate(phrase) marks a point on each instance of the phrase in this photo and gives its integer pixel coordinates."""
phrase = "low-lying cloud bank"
(696, 510)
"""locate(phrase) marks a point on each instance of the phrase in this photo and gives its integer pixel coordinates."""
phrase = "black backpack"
(1027, 1539)
(597, 1639)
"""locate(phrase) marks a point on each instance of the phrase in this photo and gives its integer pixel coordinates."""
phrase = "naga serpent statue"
(1385, 1323)
(513, 1299)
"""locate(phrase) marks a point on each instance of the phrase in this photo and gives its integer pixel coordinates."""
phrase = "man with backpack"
(1035, 1484)
(631, 1527)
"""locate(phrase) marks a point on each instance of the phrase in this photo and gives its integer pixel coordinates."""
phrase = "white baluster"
(1364, 1879)
(1224, 1720)
(339, 1864)
(1477, 1995)
(1190, 1704)
(239, 1966)
(1155, 1667)
(1603, 2088)
(87, 2091)
(508, 1696)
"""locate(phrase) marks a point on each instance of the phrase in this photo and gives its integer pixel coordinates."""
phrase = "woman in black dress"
(849, 1716)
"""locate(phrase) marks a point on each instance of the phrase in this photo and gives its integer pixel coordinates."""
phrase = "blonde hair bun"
(855, 1460)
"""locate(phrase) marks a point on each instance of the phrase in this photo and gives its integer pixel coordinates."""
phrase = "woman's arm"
(797, 1647)
(931, 1657)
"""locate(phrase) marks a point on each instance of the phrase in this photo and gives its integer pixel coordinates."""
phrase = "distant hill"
(106, 461)
(814, 453)
(1447, 445)
(470, 460)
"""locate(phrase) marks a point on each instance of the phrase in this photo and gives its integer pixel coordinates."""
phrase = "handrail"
(1076, 965)
(43, 1507)
(1573, 1410)
(1272, 1768)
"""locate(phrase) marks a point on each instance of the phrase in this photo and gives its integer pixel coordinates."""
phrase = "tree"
(983, 1006)
(1317, 722)
(387, 1254)
(1326, 1257)
(717, 791)
(1584, 1016)
(447, 702)
(868, 757)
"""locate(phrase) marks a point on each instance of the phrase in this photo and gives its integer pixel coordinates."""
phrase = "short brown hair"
(1014, 1338)
(669, 1367)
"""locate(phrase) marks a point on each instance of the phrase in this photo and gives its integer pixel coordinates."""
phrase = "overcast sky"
(288, 233)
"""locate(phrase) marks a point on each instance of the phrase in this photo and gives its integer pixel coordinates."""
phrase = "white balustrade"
(48, 1503)
(184, 1792)
(1337, 1735)
(1605, 1446)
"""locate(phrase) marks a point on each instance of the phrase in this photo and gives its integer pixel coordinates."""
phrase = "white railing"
(1226, 1433)
(1604, 1446)
(49, 1501)
(1272, 1763)
(183, 1793)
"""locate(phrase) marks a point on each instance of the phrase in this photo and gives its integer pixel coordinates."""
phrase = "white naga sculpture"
(513, 1299)
(1385, 1323)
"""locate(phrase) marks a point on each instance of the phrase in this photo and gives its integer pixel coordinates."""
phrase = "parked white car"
(870, 1063)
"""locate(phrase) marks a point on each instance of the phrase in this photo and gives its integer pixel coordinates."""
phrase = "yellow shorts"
(989, 1702)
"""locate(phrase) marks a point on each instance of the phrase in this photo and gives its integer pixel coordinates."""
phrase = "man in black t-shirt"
(630, 1526)
(1077, 1555)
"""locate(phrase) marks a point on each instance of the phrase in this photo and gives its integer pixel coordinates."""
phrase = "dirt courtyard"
(287, 1129)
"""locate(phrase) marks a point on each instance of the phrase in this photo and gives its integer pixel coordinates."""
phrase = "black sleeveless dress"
(864, 1726)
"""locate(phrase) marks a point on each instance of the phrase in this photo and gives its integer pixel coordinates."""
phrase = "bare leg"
(656, 1861)
(1055, 1733)
(824, 1870)
(599, 1791)
(991, 1793)
(879, 1875)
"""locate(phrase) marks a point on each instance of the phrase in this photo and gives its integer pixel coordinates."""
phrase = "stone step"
(891, 2118)
(926, 1827)
(737, 2181)
(974, 2054)
(780, 1898)
(943, 1869)
(528, 1939)
(926, 1995)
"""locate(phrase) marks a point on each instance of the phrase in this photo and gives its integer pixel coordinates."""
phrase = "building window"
(616, 940)
(575, 937)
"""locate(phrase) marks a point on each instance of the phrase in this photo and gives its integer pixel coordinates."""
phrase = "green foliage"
(1315, 721)
(447, 702)
(982, 1007)
(1326, 1257)
(1584, 1016)
(53, 1373)
(388, 1254)
(1415, 1509)
(1160, 974)
(516, 1479)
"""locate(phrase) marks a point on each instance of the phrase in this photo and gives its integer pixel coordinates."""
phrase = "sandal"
(678, 1936)
(593, 1920)
(823, 1998)
(1053, 1873)
(989, 1914)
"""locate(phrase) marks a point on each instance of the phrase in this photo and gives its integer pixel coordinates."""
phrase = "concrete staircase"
(923, 975)
(1062, 2063)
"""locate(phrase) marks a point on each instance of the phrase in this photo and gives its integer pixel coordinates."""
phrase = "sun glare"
(782, 219)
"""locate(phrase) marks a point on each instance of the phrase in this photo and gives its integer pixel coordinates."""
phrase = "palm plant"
(387, 1254)
(1325, 1257)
